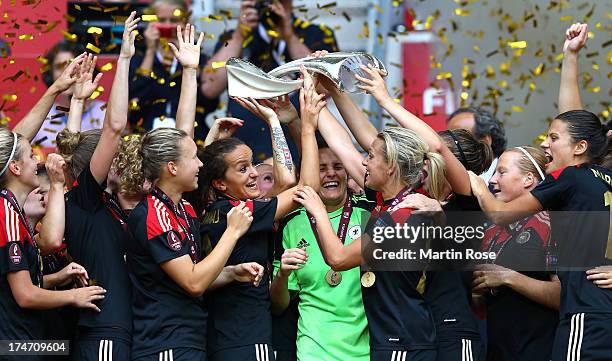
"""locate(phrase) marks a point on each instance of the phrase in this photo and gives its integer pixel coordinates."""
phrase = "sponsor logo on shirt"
(15, 253)
(173, 241)
(303, 243)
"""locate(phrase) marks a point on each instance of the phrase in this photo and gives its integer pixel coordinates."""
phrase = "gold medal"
(368, 279)
(333, 278)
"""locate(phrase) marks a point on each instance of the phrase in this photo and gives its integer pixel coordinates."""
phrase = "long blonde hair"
(408, 153)
(10, 150)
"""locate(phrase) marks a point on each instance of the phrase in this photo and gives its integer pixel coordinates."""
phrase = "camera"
(266, 16)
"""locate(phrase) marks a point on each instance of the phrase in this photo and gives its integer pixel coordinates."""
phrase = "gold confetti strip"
(26, 37)
(149, 18)
(218, 64)
(517, 44)
(177, 12)
(106, 67)
(9, 97)
(93, 48)
(94, 30)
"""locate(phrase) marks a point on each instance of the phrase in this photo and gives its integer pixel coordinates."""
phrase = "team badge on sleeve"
(174, 241)
(15, 253)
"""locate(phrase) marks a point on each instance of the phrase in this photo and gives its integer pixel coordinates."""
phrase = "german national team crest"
(15, 253)
(523, 237)
(173, 241)
(354, 232)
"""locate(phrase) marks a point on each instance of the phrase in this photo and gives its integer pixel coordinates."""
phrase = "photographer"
(268, 35)
(155, 76)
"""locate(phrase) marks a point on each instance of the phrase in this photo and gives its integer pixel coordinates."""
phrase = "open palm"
(188, 53)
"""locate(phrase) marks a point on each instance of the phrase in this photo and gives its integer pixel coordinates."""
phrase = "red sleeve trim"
(159, 219)
(189, 209)
(248, 203)
(11, 229)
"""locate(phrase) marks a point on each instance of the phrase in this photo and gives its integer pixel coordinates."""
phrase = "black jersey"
(517, 327)
(579, 199)
(18, 252)
(240, 312)
(165, 315)
(96, 241)
(448, 289)
(398, 316)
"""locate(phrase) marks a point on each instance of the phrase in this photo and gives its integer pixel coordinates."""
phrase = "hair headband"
(532, 161)
(10, 158)
(463, 157)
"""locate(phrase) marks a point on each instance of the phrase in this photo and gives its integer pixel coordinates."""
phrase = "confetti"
(149, 18)
(517, 44)
(218, 64)
(106, 67)
(93, 48)
(94, 30)
(26, 37)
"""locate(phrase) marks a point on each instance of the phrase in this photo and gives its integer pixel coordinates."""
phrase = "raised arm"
(311, 105)
(456, 174)
(115, 119)
(501, 212)
(283, 167)
(222, 128)
(53, 223)
(83, 88)
(195, 279)
(188, 54)
(214, 79)
(569, 91)
(31, 123)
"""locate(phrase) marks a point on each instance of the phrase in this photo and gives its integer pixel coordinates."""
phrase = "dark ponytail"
(474, 154)
(584, 125)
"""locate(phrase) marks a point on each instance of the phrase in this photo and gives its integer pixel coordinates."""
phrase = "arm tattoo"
(282, 155)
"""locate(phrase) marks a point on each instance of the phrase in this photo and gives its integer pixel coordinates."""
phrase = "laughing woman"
(241, 324)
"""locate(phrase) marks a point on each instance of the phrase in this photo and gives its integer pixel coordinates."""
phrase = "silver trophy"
(246, 80)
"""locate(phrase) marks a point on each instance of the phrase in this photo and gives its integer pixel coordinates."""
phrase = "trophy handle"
(339, 67)
(246, 80)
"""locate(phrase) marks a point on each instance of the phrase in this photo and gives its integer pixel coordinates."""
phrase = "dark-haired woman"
(577, 192)
(165, 258)
(240, 327)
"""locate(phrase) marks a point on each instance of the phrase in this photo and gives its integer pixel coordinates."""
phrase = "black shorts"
(584, 337)
(461, 349)
(285, 355)
(403, 355)
(100, 350)
(257, 352)
(176, 354)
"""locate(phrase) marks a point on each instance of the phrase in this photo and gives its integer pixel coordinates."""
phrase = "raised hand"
(263, 112)
(55, 168)
(374, 85)
(188, 53)
(86, 83)
(222, 128)
(248, 17)
(69, 75)
(127, 41)
(239, 219)
(283, 107)
(576, 37)
(311, 103)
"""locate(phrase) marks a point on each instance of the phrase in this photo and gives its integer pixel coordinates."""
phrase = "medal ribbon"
(115, 209)
(345, 218)
(10, 197)
(181, 215)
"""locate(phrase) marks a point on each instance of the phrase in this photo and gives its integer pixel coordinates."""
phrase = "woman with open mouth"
(240, 326)
(578, 192)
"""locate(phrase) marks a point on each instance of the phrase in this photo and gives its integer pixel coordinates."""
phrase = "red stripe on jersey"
(541, 225)
(160, 219)
(11, 229)
(555, 174)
